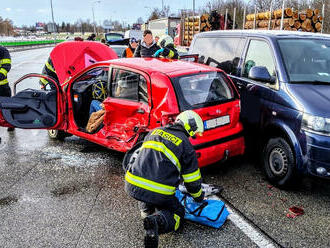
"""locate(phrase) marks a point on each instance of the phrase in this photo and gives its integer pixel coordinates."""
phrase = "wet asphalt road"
(70, 194)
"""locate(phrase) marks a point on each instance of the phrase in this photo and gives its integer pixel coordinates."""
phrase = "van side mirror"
(261, 73)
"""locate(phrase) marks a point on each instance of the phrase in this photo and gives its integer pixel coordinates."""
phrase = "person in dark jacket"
(5, 66)
(48, 70)
(155, 170)
(129, 51)
(167, 49)
(147, 47)
(91, 37)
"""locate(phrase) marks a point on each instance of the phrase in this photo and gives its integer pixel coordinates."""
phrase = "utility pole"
(193, 7)
(94, 14)
(54, 25)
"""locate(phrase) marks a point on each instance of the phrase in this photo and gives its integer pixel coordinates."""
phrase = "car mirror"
(261, 73)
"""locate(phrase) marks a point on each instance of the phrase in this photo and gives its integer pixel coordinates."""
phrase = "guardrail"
(25, 45)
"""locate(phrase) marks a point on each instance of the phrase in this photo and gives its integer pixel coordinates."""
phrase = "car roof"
(264, 33)
(172, 68)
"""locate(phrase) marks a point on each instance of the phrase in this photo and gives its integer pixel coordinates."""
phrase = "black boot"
(151, 232)
(10, 129)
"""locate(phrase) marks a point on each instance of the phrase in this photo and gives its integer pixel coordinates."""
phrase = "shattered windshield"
(306, 60)
(205, 89)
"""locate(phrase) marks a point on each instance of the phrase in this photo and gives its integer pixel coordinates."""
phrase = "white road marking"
(252, 233)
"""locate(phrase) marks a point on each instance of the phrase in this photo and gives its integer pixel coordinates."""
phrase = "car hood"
(70, 57)
(315, 99)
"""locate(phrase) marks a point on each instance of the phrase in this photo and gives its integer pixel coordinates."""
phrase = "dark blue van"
(284, 81)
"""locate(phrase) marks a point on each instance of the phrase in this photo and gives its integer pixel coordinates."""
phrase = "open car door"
(32, 108)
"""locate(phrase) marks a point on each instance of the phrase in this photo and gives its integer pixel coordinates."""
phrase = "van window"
(306, 60)
(259, 54)
(201, 90)
(223, 53)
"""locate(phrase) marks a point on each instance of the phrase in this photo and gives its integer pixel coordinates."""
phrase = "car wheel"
(279, 162)
(57, 134)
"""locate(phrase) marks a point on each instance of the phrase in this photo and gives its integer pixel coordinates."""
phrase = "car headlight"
(316, 124)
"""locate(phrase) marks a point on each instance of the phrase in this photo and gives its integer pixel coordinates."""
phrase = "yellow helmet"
(191, 122)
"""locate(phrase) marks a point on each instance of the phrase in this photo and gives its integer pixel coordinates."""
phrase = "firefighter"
(129, 51)
(5, 66)
(167, 49)
(154, 172)
(50, 71)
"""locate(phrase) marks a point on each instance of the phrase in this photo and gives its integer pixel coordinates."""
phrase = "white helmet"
(191, 122)
(164, 41)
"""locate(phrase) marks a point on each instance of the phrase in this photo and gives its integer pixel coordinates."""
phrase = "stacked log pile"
(191, 26)
(308, 20)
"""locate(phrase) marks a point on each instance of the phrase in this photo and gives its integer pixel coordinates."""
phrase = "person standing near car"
(154, 172)
(129, 51)
(147, 46)
(49, 70)
(5, 66)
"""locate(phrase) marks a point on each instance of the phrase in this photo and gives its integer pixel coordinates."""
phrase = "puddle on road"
(8, 200)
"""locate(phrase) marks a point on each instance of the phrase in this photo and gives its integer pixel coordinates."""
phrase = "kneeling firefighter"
(167, 49)
(155, 170)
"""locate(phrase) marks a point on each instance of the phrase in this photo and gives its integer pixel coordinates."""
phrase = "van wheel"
(57, 134)
(279, 162)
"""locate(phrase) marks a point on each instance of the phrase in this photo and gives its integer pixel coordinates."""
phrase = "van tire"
(279, 162)
(57, 134)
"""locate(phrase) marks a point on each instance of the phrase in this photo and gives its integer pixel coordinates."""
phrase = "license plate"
(217, 122)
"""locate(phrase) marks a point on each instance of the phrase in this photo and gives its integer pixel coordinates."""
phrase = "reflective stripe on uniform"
(171, 54)
(191, 177)
(3, 71)
(44, 81)
(5, 61)
(165, 135)
(177, 222)
(149, 185)
(160, 147)
(196, 195)
(50, 67)
(3, 82)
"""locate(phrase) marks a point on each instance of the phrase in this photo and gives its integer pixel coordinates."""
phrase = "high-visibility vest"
(129, 53)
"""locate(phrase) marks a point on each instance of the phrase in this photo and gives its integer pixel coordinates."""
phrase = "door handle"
(140, 111)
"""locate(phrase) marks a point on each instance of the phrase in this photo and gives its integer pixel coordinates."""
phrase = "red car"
(156, 91)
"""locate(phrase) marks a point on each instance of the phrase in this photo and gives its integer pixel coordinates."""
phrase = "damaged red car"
(156, 91)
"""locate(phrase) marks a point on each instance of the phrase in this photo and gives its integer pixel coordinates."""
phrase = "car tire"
(279, 162)
(57, 134)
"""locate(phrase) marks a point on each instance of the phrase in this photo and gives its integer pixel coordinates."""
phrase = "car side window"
(223, 53)
(128, 85)
(259, 54)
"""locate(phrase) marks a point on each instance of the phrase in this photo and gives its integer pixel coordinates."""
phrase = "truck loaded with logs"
(308, 20)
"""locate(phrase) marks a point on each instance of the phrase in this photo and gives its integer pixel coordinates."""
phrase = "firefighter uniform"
(165, 157)
(49, 70)
(5, 66)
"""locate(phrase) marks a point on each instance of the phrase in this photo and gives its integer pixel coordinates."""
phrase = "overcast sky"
(28, 12)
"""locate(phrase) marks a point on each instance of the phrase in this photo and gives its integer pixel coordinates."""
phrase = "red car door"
(128, 108)
(32, 108)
